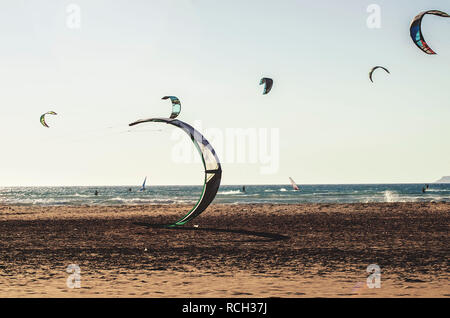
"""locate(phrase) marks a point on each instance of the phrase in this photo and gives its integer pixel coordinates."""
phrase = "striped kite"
(268, 84)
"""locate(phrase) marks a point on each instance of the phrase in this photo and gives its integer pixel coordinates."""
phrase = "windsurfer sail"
(294, 185)
(143, 185)
(211, 164)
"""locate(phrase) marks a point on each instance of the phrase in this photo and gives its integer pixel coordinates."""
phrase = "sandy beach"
(264, 250)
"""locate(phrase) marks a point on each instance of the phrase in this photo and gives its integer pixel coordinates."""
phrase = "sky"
(104, 64)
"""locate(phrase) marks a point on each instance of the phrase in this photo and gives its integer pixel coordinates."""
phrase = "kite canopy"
(416, 30)
(294, 185)
(375, 68)
(176, 106)
(268, 84)
(211, 163)
(42, 119)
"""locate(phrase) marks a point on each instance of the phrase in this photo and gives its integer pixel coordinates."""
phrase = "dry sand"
(306, 250)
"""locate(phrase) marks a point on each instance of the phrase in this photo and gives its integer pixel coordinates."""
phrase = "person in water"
(243, 189)
(424, 189)
(96, 192)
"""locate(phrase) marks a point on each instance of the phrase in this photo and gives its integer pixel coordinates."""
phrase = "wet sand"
(305, 250)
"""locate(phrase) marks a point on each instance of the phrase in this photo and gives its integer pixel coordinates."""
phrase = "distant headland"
(445, 179)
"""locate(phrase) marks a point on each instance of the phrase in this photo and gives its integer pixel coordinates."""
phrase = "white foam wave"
(392, 196)
(81, 195)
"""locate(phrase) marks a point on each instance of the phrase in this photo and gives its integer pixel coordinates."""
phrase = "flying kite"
(143, 185)
(176, 106)
(42, 119)
(268, 84)
(211, 164)
(375, 68)
(416, 30)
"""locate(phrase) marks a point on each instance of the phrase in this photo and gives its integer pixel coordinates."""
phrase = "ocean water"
(120, 195)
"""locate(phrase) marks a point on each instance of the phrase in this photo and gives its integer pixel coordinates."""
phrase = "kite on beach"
(176, 106)
(374, 69)
(211, 164)
(42, 119)
(268, 84)
(416, 30)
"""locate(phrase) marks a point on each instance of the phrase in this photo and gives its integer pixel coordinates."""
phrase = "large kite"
(375, 68)
(268, 84)
(294, 185)
(416, 30)
(176, 106)
(42, 119)
(211, 163)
